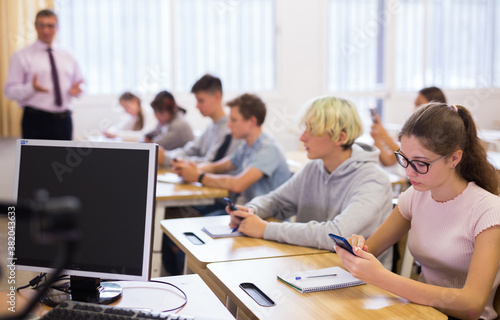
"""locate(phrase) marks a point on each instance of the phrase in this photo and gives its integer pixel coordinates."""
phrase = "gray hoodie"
(354, 198)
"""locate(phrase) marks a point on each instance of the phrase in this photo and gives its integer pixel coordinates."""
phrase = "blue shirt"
(266, 156)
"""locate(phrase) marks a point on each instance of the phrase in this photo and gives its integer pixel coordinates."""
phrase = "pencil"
(318, 276)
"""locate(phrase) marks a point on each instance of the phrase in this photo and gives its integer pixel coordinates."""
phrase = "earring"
(453, 167)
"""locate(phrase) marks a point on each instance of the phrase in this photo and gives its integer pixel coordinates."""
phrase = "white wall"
(301, 75)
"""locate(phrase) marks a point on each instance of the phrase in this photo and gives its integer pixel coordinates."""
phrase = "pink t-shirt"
(443, 234)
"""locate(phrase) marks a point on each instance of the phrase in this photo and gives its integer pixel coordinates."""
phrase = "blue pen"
(233, 208)
(236, 229)
(318, 276)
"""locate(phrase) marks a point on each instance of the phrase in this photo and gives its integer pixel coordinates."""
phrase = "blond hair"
(332, 115)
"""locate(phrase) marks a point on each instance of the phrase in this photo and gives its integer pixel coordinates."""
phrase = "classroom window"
(149, 45)
(125, 45)
(233, 39)
(355, 45)
(451, 44)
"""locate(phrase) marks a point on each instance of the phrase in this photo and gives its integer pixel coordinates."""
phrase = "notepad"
(320, 279)
(169, 177)
(221, 231)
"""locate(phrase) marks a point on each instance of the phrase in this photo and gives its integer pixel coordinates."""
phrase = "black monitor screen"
(115, 184)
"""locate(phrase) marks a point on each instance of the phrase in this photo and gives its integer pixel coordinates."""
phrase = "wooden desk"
(223, 249)
(150, 295)
(177, 195)
(360, 302)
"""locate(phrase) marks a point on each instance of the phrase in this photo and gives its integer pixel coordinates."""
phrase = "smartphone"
(373, 114)
(230, 204)
(341, 242)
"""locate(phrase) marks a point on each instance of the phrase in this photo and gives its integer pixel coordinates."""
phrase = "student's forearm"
(459, 303)
(216, 167)
(223, 181)
(387, 147)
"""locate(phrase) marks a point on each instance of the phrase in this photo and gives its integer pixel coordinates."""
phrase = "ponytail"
(474, 165)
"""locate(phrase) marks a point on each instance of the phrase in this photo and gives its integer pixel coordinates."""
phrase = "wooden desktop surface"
(166, 191)
(224, 249)
(360, 302)
(186, 191)
(150, 295)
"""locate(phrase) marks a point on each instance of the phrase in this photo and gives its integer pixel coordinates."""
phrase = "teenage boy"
(216, 141)
(342, 190)
(257, 167)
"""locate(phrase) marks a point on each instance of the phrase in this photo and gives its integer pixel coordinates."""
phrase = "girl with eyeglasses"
(451, 214)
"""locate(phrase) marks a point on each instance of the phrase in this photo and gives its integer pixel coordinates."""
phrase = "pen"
(236, 229)
(319, 276)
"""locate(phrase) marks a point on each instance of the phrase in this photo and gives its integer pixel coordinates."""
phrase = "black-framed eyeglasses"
(417, 165)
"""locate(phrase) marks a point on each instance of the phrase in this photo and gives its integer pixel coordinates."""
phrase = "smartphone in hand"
(373, 114)
(230, 204)
(341, 242)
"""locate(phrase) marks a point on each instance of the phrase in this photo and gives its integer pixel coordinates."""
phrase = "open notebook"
(320, 279)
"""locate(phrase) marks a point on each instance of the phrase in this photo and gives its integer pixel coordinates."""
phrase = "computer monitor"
(116, 185)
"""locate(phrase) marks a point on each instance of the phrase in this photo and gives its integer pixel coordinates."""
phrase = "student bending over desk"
(452, 214)
(343, 189)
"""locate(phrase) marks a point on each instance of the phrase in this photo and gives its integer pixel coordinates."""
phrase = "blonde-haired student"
(452, 214)
(342, 190)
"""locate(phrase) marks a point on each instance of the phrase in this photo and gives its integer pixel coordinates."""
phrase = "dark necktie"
(221, 152)
(55, 79)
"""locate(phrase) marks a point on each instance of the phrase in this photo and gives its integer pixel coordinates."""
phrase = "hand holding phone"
(373, 114)
(230, 204)
(233, 208)
(341, 242)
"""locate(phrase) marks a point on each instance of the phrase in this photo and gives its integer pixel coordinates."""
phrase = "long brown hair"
(129, 96)
(443, 129)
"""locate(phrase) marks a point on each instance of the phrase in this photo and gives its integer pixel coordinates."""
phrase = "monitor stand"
(85, 289)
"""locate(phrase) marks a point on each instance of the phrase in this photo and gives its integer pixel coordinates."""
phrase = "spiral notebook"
(320, 279)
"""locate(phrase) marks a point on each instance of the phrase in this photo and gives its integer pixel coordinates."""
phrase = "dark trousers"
(39, 124)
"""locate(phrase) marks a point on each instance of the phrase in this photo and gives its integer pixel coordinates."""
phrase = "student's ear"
(254, 120)
(342, 137)
(218, 95)
(456, 157)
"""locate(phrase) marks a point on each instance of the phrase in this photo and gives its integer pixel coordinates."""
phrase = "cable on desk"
(173, 285)
(35, 283)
